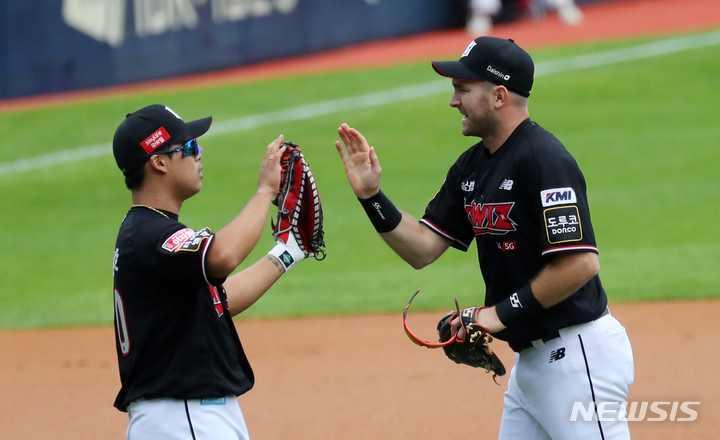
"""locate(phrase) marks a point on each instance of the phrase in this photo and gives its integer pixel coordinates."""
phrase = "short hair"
(135, 178)
(517, 99)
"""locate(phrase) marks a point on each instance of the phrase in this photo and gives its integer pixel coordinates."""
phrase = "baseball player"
(181, 362)
(522, 197)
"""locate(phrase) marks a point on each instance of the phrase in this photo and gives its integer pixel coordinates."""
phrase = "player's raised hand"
(361, 163)
(271, 170)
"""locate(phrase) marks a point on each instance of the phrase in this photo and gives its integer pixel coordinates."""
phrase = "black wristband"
(382, 212)
(517, 306)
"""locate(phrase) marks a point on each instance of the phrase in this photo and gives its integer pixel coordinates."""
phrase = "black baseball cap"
(144, 132)
(497, 60)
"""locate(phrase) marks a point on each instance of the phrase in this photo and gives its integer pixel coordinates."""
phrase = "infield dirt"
(359, 377)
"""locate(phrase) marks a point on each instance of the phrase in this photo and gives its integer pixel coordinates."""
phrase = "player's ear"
(501, 96)
(158, 163)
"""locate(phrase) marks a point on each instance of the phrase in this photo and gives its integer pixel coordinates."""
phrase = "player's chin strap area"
(421, 342)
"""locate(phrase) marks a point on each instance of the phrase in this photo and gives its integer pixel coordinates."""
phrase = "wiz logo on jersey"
(491, 218)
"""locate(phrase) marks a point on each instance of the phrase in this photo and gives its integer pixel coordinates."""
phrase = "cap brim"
(455, 70)
(193, 129)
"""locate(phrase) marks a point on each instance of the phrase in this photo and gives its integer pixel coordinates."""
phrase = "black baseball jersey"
(175, 337)
(523, 204)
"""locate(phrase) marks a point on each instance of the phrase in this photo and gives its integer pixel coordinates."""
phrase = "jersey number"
(121, 324)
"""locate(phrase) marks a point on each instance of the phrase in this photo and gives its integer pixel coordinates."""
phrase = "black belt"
(518, 346)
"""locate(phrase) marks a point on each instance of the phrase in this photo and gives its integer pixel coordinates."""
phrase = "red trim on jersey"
(578, 247)
(217, 301)
(432, 226)
(204, 258)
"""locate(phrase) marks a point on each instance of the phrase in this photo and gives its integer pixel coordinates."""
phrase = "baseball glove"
(473, 350)
(300, 212)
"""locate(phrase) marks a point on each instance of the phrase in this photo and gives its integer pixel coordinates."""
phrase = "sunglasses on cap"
(190, 148)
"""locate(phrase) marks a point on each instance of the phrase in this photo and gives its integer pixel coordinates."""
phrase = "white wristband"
(288, 253)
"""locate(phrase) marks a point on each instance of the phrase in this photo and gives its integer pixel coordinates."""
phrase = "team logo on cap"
(468, 49)
(171, 111)
(155, 140)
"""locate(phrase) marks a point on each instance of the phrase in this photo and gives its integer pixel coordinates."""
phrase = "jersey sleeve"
(445, 213)
(558, 197)
(179, 254)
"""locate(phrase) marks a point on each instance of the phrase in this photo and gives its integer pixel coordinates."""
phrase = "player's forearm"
(234, 242)
(412, 241)
(245, 288)
(563, 276)
(415, 243)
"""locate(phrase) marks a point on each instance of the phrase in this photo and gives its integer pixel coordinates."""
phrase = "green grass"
(644, 132)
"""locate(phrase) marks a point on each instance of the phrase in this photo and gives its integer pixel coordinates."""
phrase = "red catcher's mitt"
(473, 350)
(299, 209)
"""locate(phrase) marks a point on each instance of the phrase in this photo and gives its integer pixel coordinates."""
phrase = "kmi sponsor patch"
(558, 196)
(562, 224)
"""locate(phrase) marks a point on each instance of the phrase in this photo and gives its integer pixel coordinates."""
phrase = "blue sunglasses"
(190, 148)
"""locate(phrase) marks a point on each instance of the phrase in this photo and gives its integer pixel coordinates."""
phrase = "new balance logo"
(515, 301)
(506, 185)
(556, 355)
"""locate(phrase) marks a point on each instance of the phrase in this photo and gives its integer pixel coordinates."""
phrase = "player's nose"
(454, 100)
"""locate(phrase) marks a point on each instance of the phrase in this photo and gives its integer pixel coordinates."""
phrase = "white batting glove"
(289, 254)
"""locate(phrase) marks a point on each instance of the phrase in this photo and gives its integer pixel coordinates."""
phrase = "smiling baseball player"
(522, 197)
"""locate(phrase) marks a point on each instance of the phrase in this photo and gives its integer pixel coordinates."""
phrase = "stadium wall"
(49, 46)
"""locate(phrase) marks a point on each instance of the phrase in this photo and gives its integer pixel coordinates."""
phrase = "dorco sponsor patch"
(563, 224)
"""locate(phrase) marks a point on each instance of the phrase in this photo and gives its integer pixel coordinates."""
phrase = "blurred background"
(49, 46)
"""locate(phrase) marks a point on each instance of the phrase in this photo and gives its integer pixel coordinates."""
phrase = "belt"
(518, 346)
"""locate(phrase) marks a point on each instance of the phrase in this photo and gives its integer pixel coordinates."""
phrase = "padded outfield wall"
(49, 46)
